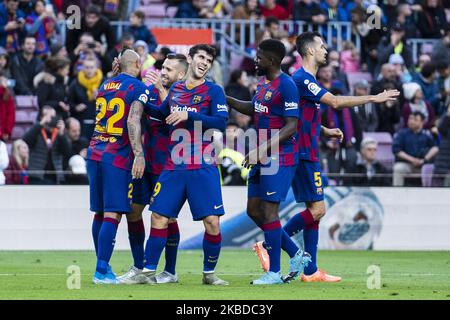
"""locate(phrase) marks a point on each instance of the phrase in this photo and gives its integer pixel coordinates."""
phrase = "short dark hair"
(236, 75)
(181, 58)
(304, 40)
(93, 9)
(270, 20)
(127, 36)
(442, 65)
(205, 47)
(139, 14)
(428, 69)
(418, 113)
(275, 47)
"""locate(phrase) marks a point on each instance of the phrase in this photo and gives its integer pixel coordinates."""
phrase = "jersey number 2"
(111, 121)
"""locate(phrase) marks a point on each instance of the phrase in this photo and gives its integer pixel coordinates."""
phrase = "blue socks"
(272, 235)
(298, 222)
(96, 225)
(136, 235)
(311, 239)
(155, 245)
(173, 239)
(287, 244)
(106, 242)
(211, 251)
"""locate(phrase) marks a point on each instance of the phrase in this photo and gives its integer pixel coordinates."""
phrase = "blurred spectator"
(4, 64)
(349, 58)
(432, 21)
(444, 84)
(52, 86)
(429, 85)
(4, 161)
(7, 110)
(18, 163)
(238, 86)
(423, 60)
(441, 50)
(48, 146)
(95, 24)
(249, 10)
(12, 24)
(325, 77)
(341, 156)
(406, 19)
(271, 29)
(336, 13)
(367, 113)
(87, 46)
(390, 11)
(75, 161)
(126, 41)
(394, 44)
(41, 24)
(387, 74)
(401, 72)
(82, 94)
(215, 9)
(415, 103)
(189, 9)
(160, 57)
(368, 171)
(270, 8)
(309, 11)
(388, 112)
(58, 50)
(147, 60)
(442, 163)
(25, 66)
(334, 61)
(412, 148)
(27, 6)
(140, 31)
(215, 73)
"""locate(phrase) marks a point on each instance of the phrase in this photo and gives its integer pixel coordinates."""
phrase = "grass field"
(404, 275)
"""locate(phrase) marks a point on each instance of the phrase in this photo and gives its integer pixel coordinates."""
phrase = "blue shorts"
(143, 188)
(273, 188)
(308, 183)
(201, 188)
(109, 187)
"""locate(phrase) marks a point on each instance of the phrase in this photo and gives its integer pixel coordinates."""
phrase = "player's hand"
(80, 107)
(138, 167)
(389, 95)
(334, 133)
(115, 67)
(154, 78)
(177, 117)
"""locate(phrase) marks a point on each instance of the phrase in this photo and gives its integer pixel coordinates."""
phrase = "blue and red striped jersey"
(110, 142)
(156, 138)
(310, 93)
(273, 102)
(206, 105)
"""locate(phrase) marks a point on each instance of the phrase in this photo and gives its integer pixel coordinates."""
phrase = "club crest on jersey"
(319, 191)
(197, 99)
(268, 95)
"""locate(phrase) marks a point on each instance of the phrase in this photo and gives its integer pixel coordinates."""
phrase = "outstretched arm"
(244, 107)
(134, 133)
(341, 102)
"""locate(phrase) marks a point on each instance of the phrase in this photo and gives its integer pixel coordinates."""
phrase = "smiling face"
(171, 72)
(200, 64)
(262, 62)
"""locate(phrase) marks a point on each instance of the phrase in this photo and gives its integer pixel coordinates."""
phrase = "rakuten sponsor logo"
(177, 108)
(259, 107)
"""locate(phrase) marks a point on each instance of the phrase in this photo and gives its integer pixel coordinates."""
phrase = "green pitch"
(404, 275)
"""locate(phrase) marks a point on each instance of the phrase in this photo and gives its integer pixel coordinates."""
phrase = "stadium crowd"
(65, 77)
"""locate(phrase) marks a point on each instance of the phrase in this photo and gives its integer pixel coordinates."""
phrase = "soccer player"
(156, 143)
(274, 106)
(307, 184)
(116, 134)
(189, 173)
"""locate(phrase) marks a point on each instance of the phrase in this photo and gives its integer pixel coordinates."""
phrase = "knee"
(318, 212)
(113, 215)
(136, 213)
(159, 221)
(399, 167)
(212, 225)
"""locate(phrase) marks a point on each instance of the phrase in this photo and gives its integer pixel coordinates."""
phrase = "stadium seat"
(9, 148)
(427, 174)
(354, 77)
(26, 116)
(30, 102)
(154, 10)
(18, 132)
(384, 152)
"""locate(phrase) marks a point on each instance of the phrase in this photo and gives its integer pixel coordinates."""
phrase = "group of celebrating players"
(126, 175)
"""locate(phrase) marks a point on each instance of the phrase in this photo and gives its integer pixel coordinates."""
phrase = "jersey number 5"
(317, 179)
(102, 107)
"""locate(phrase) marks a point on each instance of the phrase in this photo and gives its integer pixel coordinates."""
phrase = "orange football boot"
(262, 254)
(320, 276)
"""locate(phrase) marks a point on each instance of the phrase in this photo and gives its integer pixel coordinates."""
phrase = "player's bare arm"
(256, 155)
(332, 133)
(134, 133)
(244, 107)
(340, 102)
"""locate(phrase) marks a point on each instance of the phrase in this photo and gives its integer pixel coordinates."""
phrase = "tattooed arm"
(134, 133)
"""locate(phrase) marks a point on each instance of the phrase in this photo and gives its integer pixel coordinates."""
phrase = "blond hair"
(15, 153)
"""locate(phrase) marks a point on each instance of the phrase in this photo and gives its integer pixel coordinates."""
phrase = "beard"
(261, 72)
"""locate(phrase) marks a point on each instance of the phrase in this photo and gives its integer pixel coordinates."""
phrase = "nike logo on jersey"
(270, 193)
(217, 207)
